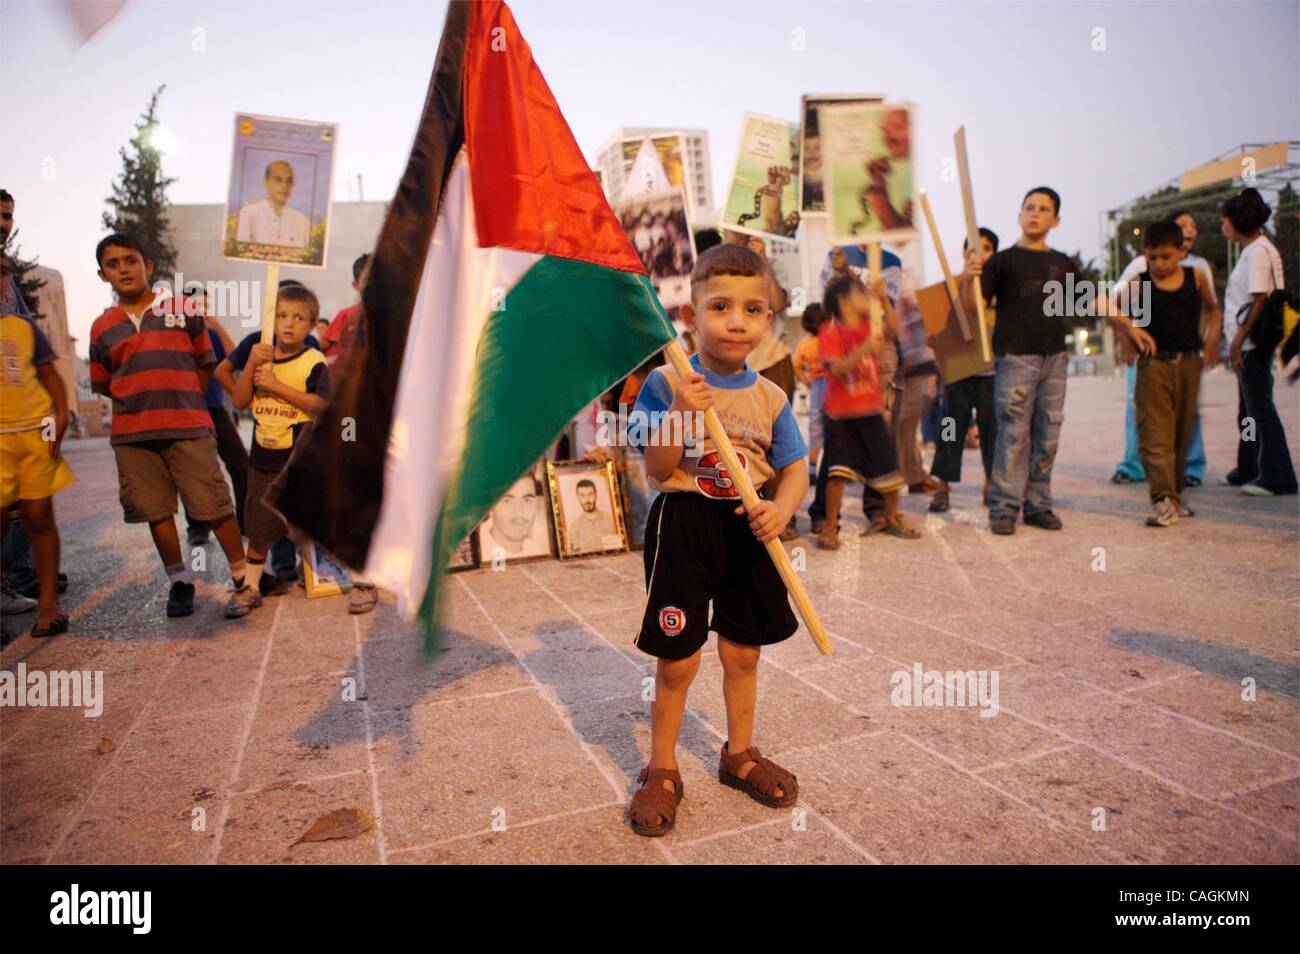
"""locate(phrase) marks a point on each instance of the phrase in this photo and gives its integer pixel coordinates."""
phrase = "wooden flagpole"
(749, 497)
(972, 233)
(948, 278)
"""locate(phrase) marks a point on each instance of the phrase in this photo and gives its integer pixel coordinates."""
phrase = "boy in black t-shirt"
(1169, 371)
(1030, 363)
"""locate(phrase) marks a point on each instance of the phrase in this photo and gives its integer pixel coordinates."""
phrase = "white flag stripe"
(459, 287)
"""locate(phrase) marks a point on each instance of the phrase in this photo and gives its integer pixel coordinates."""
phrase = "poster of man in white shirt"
(278, 206)
(273, 221)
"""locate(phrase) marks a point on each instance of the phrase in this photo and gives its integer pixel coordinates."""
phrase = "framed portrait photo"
(587, 507)
(518, 527)
(465, 556)
(324, 576)
(278, 204)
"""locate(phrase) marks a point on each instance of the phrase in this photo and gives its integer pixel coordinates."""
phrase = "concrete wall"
(54, 323)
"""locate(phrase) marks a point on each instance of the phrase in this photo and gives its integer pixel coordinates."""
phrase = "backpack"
(1267, 332)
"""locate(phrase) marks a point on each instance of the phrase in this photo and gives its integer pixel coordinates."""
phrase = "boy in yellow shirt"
(33, 419)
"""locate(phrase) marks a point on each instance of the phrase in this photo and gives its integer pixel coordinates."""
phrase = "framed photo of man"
(322, 574)
(278, 205)
(518, 525)
(465, 556)
(588, 510)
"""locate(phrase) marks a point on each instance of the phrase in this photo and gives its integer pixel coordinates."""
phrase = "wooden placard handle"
(949, 281)
(972, 233)
(269, 294)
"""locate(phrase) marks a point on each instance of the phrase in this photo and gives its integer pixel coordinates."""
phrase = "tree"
(139, 198)
(1090, 272)
(1286, 231)
(29, 286)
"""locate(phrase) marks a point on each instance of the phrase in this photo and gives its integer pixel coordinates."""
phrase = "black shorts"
(262, 524)
(697, 550)
(861, 448)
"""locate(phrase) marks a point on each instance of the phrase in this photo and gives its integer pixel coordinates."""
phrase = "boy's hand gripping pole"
(749, 497)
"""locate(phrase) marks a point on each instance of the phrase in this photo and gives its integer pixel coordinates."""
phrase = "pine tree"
(139, 198)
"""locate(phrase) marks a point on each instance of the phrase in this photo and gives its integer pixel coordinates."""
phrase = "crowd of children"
(866, 361)
(867, 364)
(167, 371)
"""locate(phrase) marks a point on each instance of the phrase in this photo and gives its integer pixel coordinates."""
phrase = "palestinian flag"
(503, 297)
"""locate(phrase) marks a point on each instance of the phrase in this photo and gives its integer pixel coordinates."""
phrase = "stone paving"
(1121, 733)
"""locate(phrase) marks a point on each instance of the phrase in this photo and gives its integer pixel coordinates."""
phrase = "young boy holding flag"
(701, 547)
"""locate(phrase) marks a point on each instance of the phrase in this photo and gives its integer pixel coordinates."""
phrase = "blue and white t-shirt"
(754, 413)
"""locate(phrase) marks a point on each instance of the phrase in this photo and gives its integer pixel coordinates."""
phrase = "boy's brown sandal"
(652, 802)
(763, 779)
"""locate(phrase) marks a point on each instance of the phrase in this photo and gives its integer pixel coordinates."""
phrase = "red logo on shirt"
(712, 478)
(672, 620)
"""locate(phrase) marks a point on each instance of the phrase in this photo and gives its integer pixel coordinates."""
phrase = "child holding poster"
(292, 387)
(1030, 364)
(859, 445)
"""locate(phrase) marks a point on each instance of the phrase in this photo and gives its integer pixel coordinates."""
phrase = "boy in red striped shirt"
(154, 361)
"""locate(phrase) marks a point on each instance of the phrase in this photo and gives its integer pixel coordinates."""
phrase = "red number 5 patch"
(672, 620)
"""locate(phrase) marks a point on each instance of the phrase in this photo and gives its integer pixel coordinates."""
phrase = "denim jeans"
(816, 425)
(1266, 459)
(1029, 399)
(1131, 465)
(19, 565)
(283, 560)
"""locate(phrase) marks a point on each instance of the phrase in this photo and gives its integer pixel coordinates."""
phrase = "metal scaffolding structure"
(1205, 199)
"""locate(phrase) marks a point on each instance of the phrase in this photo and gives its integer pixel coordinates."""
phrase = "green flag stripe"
(568, 331)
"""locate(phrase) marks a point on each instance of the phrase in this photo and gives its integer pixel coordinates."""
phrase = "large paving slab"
(1147, 706)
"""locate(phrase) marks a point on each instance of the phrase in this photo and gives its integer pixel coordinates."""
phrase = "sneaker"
(1002, 523)
(1043, 520)
(1255, 490)
(1163, 514)
(1119, 477)
(242, 602)
(272, 585)
(1190, 481)
(362, 598)
(13, 603)
(180, 600)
